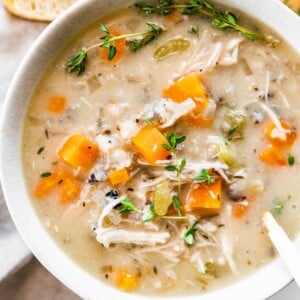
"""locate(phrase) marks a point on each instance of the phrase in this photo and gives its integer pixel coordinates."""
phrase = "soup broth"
(152, 169)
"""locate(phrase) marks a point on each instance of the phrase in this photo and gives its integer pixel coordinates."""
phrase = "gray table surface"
(21, 276)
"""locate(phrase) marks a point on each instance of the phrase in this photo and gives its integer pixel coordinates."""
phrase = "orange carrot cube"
(118, 176)
(190, 87)
(273, 156)
(148, 142)
(280, 139)
(205, 198)
(79, 152)
(126, 280)
(239, 210)
(120, 47)
(56, 104)
(47, 184)
(70, 190)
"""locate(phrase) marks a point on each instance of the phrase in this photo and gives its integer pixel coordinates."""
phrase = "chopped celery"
(171, 47)
(162, 198)
(227, 153)
(235, 122)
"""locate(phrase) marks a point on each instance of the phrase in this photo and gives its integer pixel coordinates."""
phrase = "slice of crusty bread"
(293, 4)
(41, 10)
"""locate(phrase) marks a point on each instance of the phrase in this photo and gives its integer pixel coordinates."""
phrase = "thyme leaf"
(46, 174)
(77, 63)
(134, 41)
(189, 235)
(163, 7)
(278, 207)
(173, 141)
(128, 206)
(204, 177)
(149, 123)
(177, 204)
(152, 34)
(40, 150)
(291, 159)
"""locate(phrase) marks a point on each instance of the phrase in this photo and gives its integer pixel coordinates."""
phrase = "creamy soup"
(151, 158)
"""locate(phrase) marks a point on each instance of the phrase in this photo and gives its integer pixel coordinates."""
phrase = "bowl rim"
(256, 286)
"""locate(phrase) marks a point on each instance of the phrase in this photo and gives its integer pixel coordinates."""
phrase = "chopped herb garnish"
(291, 160)
(236, 121)
(193, 29)
(173, 141)
(178, 168)
(149, 123)
(128, 206)
(189, 235)
(152, 34)
(47, 133)
(46, 174)
(40, 150)
(220, 20)
(278, 207)
(177, 204)
(204, 177)
(163, 7)
(134, 41)
(152, 215)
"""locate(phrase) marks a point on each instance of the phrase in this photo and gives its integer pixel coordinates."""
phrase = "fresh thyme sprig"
(134, 41)
(173, 142)
(220, 20)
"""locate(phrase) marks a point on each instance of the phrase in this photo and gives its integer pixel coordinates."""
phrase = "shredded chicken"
(281, 131)
(111, 235)
(207, 54)
(229, 55)
(168, 112)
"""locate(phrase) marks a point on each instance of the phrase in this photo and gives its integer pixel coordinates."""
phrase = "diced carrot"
(148, 142)
(118, 176)
(273, 156)
(120, 47)
(175, 17)
(187, 87)
(70, 190)
(47, 184)
(205, 198)
(190, 87)
(239, 210)
(126, 280)
(56, 104)
(79, 152)
(280, 139)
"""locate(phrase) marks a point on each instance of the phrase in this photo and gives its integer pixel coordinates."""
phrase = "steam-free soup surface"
(153, 170)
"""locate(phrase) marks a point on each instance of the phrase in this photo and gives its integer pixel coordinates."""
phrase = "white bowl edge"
(260, 285)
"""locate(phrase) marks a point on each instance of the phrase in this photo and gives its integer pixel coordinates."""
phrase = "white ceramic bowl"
(260, 285)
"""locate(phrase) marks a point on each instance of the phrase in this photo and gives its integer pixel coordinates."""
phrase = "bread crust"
(38, 10)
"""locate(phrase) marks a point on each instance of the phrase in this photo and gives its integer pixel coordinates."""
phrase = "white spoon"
(284, 246)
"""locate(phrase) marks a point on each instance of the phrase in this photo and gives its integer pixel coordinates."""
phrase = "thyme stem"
(134, 41)
(220, 20)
